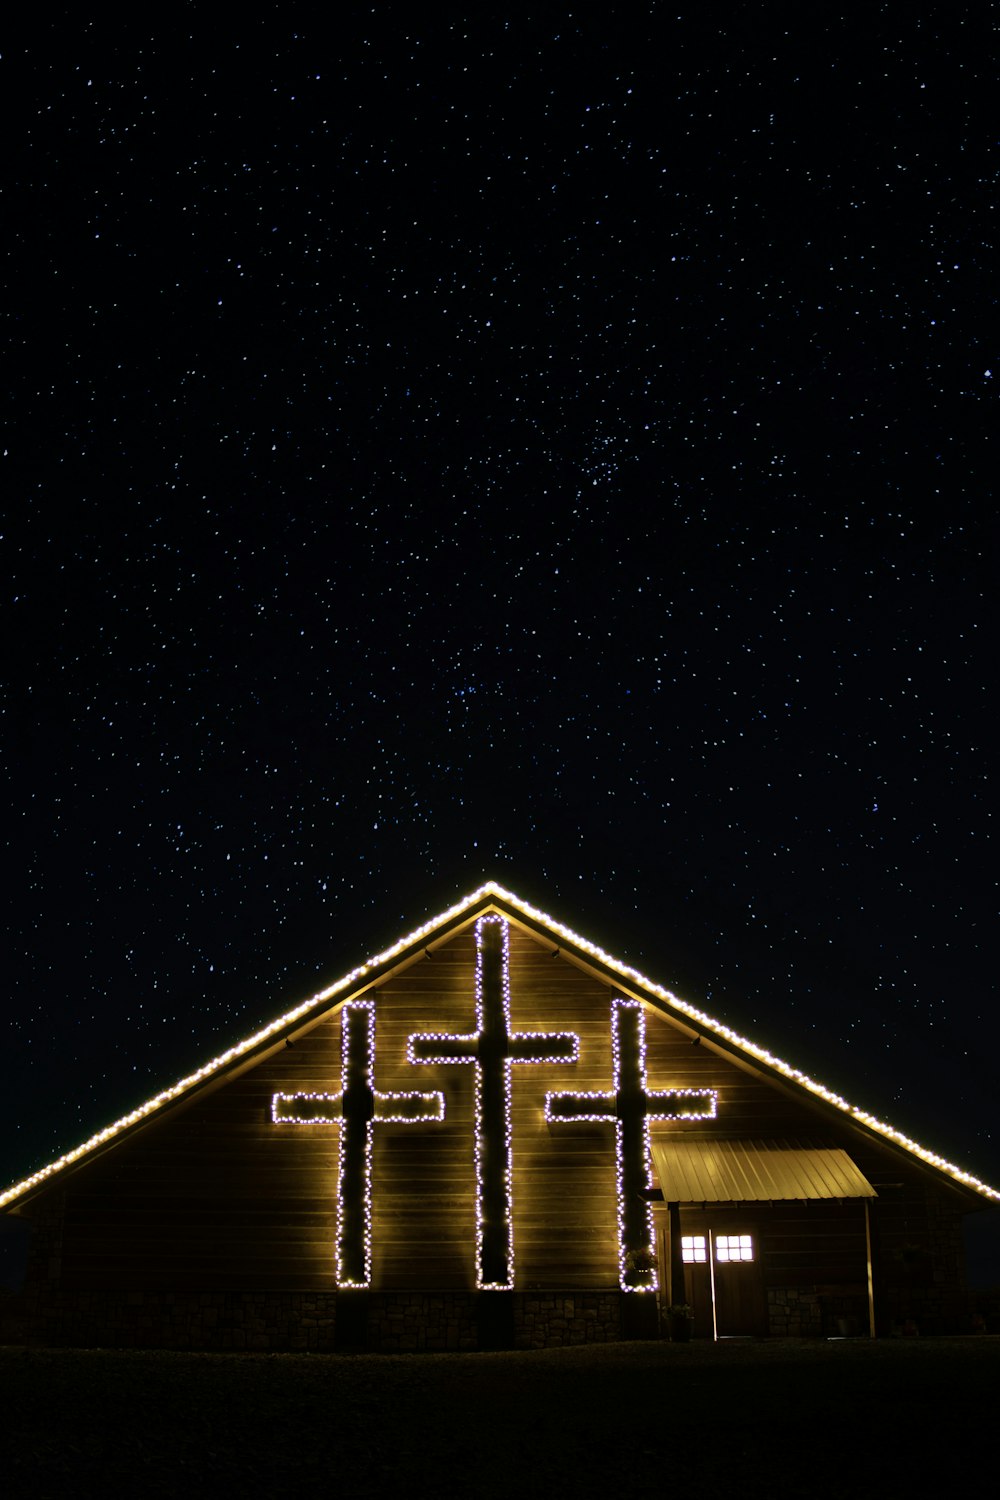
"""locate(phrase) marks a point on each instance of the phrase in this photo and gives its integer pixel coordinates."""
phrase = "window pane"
(694, 1248)
(734, 1247)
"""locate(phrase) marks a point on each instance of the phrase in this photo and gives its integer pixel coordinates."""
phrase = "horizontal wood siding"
(816, 1244)
(217, 1195)
(565, 1214)
(424, 1203)
(214, 1195)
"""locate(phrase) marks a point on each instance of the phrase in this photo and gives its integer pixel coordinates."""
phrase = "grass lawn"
(811, 1419)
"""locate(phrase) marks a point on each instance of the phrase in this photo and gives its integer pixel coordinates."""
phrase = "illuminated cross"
(493, 1048)
(630, 1107)
(356, 1109)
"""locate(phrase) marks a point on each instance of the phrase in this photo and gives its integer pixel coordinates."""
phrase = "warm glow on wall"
(493, 1049)
(363, 975)
(356, 1110)
(630, 1106)
(708, 1024)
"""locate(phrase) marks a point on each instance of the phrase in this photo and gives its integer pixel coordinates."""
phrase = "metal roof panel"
(754, 1172)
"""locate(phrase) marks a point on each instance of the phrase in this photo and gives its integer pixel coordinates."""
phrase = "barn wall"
(810, 1269)
(212, 1206)
(215, 1196)
(218, 1197)
(919, 1261)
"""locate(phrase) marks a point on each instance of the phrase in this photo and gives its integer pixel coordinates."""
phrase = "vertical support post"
(871, 1274)
(711, 1276)
(676, 1289)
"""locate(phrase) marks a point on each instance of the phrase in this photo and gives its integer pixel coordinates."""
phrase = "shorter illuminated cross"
(630, 1107)
(493, 1048)
(356, 1109)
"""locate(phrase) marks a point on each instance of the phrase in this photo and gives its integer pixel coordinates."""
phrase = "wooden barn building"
(492, 1135)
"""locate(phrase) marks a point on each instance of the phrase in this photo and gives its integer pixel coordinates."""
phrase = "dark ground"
(819, 1419)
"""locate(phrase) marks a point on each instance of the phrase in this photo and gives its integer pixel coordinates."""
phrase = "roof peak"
(490, 892)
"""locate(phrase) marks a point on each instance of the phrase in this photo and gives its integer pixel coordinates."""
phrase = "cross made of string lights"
(493, 1049)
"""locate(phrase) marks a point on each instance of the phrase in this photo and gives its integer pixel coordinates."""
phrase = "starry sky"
(543, 443)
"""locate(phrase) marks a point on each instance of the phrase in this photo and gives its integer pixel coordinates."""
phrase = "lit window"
(733, 1247)
(693, 1248)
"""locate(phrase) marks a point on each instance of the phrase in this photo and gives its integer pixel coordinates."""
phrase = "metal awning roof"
(754, 1171)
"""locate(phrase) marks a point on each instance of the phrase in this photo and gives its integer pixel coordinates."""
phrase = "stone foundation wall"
(816, 1312)
(794, 1312)
(401, 1322)
(390, 1322)
(544, 1320)
(175, 1320)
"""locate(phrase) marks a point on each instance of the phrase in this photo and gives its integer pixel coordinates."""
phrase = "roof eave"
(253, 1049)
(437, 930)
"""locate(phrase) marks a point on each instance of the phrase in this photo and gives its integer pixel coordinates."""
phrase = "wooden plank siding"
(564, 1207)
(212, 1194)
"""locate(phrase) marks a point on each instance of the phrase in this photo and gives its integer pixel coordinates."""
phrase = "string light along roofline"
(491, 890)
(272, 1031)
(760, 1054)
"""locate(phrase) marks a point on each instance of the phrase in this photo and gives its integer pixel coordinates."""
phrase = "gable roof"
(494, 897)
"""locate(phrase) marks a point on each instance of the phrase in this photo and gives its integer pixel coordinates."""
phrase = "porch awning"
(754, 1171)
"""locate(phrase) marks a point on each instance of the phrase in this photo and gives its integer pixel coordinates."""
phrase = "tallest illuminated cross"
(493, 1049)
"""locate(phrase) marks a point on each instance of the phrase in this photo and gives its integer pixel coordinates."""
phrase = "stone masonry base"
(315, 1321)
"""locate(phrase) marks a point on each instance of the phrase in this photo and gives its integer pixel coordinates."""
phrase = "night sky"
(543, 444)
